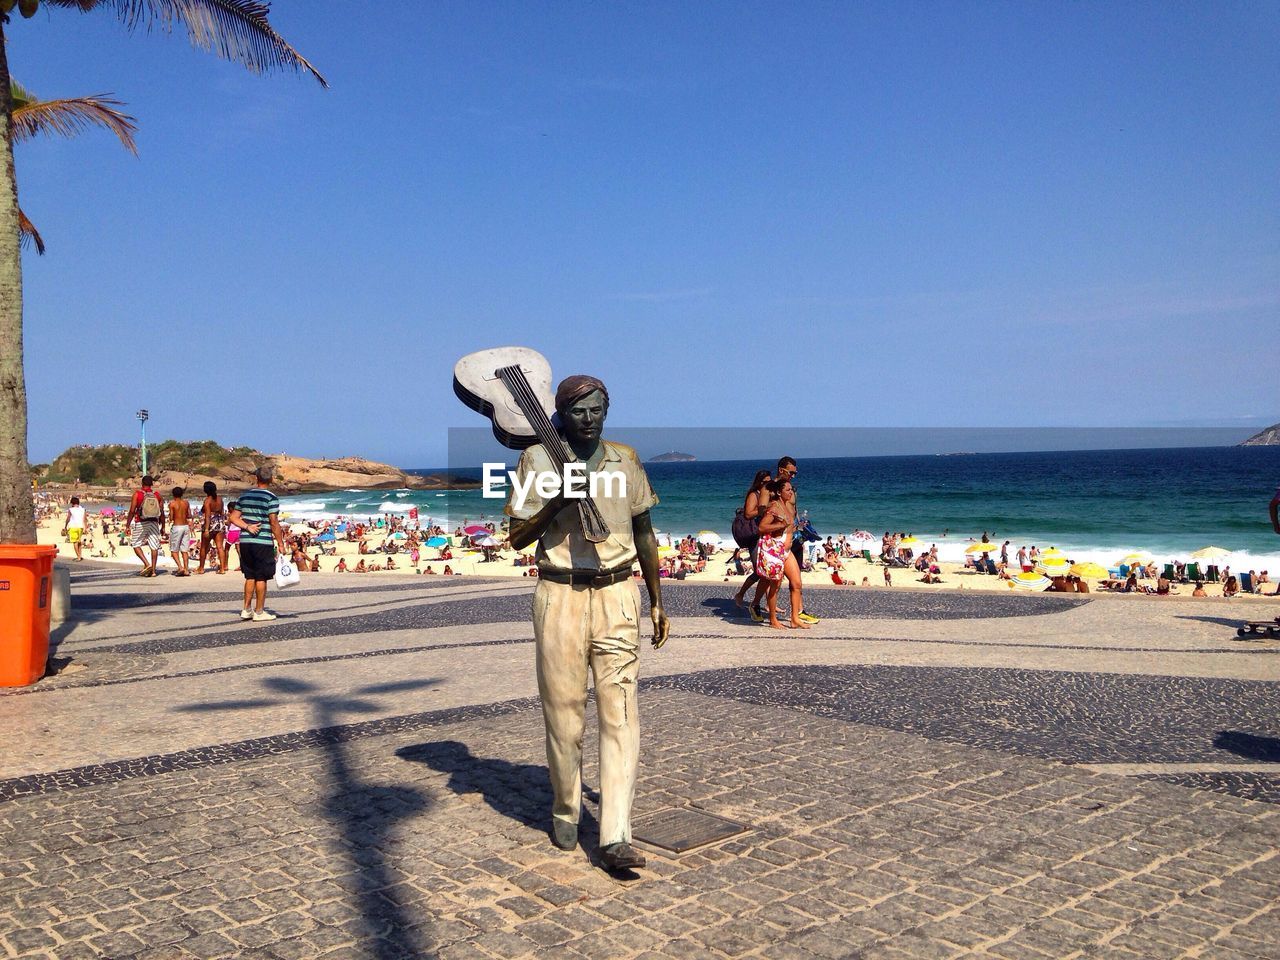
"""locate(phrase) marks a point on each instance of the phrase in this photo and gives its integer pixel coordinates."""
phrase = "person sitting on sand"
(342, 565)
(315, 564)
(1199, 590)
(1231, 587)
(1131, 583)
(1162, 587)
(360, 567)
(448, 570)
(391, 564)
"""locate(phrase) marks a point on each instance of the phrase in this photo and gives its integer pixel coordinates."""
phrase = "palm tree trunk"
(17, 524)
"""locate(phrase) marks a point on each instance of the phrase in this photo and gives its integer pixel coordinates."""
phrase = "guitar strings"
(514, 378)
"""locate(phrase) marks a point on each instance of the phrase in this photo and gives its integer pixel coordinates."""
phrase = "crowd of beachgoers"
(405, 544)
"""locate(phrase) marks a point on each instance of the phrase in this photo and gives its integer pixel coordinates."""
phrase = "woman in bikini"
(753, 508)
(213, 528)
(779, 521)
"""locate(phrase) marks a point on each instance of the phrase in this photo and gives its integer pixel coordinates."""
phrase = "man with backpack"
(148, 510)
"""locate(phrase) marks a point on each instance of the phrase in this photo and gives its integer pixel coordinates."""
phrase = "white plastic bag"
(286, 572)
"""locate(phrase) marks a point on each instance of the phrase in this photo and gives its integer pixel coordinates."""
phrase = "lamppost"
(143, 416)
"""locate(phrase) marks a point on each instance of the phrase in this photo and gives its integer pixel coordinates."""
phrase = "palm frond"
(28, 233)
(69, 116)
(233, 29)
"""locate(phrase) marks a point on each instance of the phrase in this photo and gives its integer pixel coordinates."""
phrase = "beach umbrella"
(475, 530)
(864, 537)
(1054, 566)
(398, 535)
(983, 547)
(108, 511)
(1137, 558)
(1094, 571)
(909, 541)
(1211, 553)
(1033, 582)
(1051, 552)
(437, 542)
(485, 541)
(709, 537)
(666, 551)
(326, 537)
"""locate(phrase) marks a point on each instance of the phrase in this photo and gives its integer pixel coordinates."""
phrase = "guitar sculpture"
(512, 387)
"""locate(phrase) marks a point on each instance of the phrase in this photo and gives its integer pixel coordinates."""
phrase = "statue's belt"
(585, 578)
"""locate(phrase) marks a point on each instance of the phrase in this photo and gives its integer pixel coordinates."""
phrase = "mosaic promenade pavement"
(920, 775)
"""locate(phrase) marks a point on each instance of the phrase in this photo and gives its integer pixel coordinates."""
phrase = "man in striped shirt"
(257, 514)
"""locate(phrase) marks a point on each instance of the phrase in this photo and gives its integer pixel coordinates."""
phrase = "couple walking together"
(766, 526)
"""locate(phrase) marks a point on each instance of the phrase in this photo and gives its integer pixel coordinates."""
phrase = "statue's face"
(585, 419)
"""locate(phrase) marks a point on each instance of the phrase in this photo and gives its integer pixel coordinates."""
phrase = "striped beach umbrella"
(1054, 566)
(1031, 582)
(1051, 552)
(1211, 553)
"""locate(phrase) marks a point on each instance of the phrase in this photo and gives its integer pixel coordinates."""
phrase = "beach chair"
(1246, 583)
(1124, 570)
(1168, 573)
(866, 555)
(1211, 574)
(1193, 572)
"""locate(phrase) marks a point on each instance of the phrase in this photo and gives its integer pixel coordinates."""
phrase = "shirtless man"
(180, 533)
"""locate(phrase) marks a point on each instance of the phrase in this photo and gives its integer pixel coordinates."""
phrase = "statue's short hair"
(572, 389)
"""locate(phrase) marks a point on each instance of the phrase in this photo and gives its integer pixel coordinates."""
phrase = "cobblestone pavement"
(365, 778)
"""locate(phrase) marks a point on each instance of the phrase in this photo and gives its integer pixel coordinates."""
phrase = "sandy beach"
(470, 562)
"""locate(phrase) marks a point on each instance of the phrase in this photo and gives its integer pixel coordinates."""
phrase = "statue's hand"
(661, 625)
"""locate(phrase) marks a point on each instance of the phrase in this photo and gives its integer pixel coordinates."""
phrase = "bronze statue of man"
(586, 612)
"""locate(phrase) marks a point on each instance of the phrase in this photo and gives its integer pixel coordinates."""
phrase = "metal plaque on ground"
(681, 829)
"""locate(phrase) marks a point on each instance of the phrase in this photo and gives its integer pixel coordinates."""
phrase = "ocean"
(1095, 505)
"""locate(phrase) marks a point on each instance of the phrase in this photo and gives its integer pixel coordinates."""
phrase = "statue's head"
(582, 403)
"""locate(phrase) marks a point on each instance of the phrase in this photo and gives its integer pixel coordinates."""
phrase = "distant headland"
(174, 463)
(1269, 437)
(673, 456)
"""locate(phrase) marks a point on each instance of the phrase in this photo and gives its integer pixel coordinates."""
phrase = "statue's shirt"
(563, 546)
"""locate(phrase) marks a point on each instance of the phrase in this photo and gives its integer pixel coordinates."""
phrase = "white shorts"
(179, 538)
(146, 533)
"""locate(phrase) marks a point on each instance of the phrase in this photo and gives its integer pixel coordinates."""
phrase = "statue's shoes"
(564, 834)
(621, 856)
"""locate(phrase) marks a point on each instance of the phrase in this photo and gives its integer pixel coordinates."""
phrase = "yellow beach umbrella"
(983, 547)
(1136, 558)
(908, 541)
(1211, 553)
(1091, 571)
(1034, 582)
(1050, 553)
(1054, 566)
(666, 551)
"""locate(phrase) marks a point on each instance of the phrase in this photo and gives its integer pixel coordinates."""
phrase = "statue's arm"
(525, 532)
(647, 552)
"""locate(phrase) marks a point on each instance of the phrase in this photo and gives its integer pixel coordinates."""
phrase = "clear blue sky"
(854, 214)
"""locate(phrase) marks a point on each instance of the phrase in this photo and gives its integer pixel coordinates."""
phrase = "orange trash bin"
(26, 588)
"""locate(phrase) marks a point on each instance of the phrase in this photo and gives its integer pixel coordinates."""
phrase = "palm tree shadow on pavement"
(518, 791)
(366, 815)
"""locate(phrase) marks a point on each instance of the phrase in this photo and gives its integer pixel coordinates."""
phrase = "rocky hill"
(180, 464)
(1269, 437)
